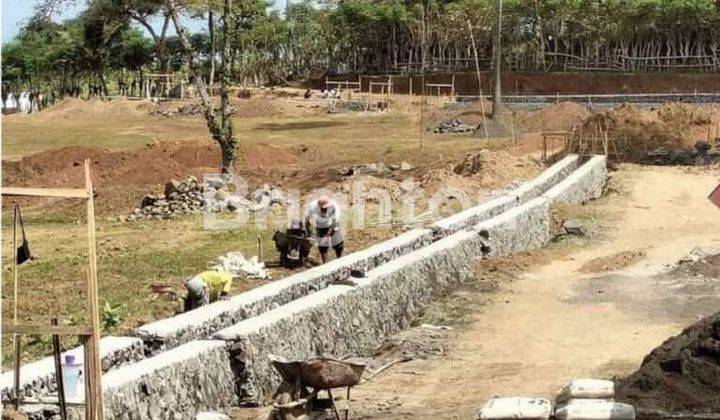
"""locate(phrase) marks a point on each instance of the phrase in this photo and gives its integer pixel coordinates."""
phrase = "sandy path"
(541, 330)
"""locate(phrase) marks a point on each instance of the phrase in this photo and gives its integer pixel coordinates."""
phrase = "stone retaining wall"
(522, 194)
(202, 322)
(342, 320)
(518, 229)
(38, 378)
(586, 183)
(546, 180)
(175, 385)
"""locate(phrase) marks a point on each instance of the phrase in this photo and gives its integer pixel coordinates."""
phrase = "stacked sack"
(590, 399)
(579, 399)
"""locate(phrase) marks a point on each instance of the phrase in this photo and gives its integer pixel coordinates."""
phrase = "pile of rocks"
(454, 126)
(192, 196)
(179, 197)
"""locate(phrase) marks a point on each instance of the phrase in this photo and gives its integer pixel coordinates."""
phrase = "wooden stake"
(93, 378)
(477, 70)
(58, 372)
(16, 338)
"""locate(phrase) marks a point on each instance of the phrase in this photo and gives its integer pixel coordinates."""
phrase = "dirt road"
(557, 323)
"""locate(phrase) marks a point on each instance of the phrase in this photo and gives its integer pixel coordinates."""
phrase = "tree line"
(362, 36)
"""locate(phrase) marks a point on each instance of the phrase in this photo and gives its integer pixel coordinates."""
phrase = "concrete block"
(586, 183)
(177, 384)
(38, 378)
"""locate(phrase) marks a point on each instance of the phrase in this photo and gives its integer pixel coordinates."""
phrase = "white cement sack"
(516, 408)
(595, 409)
(585, 388)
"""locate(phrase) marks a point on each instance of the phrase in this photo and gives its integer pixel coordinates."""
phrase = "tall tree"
(220, 128)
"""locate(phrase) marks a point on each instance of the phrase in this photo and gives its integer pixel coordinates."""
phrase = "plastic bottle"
(72, 377)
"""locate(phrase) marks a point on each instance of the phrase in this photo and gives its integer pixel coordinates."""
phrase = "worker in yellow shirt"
(206, 287)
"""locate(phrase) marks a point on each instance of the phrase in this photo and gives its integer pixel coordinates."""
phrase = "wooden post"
(410, 89)
(16, 337)
(93, 396)
(58, 372)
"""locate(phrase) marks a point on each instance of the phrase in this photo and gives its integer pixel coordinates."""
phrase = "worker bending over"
(206, 287)
(324, 213)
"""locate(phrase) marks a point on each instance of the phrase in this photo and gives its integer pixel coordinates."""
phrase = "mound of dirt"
(75, 107)
(681, 375)
(491, 168)
(651, 134)
(558, 117)
(153, 164)
(683, 114)
(640, 130)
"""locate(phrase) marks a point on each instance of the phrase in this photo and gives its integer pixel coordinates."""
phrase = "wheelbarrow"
(320, 374)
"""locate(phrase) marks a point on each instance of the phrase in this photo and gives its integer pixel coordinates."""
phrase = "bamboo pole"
(477, 70)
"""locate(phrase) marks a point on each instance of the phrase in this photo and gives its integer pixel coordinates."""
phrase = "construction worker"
(324, 213)
(205, 288)
(293, 245)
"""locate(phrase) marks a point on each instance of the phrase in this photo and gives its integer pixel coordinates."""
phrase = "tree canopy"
(366, 36)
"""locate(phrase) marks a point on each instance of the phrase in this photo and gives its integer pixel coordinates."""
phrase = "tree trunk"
(221, 131)
(227, 139)
(497, 94)
(211, 28)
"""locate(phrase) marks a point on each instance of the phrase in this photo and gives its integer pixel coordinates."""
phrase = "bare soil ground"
(553, 322)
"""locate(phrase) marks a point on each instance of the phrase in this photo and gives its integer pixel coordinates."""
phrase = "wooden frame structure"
(440, 86)
(90, 334)
(385, 87)
(549, 138)
(347, 84)
(164, 81)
